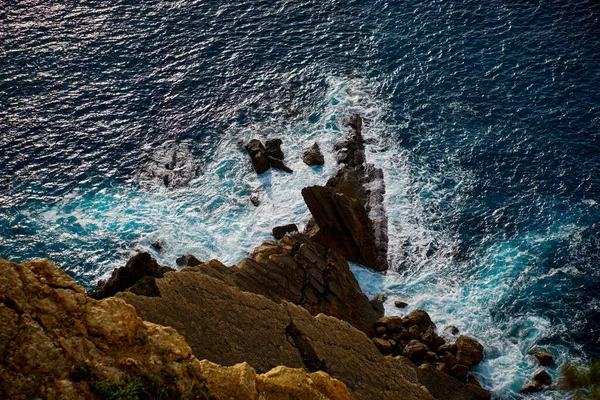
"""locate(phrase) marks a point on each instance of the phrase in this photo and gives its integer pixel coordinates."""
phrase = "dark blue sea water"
(485, 117)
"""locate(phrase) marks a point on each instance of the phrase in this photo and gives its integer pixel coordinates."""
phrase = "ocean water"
(485, 117)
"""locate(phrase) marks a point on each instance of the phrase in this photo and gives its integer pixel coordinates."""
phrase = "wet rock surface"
(171, 165)
(313, 156)
(142, 267)
(280, 231)
(265, 157)
(348, 212)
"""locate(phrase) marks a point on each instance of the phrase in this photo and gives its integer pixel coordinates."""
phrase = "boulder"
(188, 260)
(400, 304)
(532, 387)
(479, 392)
(348, 212)
(469, 351)
(545, 358)
(384, 346)
(273, 147)
(280, 231)
(313, 156)
(391, 324)
(432, 339)
(258, 153)
(459, 371)
(140, 266)
(377, 304)
(415, 351)
(419, 318)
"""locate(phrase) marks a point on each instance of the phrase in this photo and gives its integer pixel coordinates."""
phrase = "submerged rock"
(280, 231)
(254, 199)
(140, 266)
(348, 212)
(170, 165)
(313, 156)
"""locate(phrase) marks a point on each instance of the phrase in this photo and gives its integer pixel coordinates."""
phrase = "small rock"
(542, 377)
(451, 329)
(419, 318)
(390, 323)
(258, 153)
(188, 260)
(273, 147)
(313, 156)
(432, 339)
(156, 246)
(377, 304)
(400, 304)
(277, 163)
(254, 200)
(404, 334)
(442, 368)
(469, 351)
(384, 346)
(431, 356)
(380, 330)
(280, 231)
(415, 351)
(459, 371)
(545, 358)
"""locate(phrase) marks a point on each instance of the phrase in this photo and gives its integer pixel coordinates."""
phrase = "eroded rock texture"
(58, 343)
(348, 212)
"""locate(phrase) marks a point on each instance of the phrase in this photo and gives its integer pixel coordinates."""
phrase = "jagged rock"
(469, 351)
(447, 348)
(139, 266)
(156, 246)
(432, 339)
(400, 304)
(171, 165)
(280, 231)
(545, 358)
(348, 212)
(226, 325)
(443, 386)
(543, 377)
(451, 330)
(302, 272)
(419, 318)
(254, 200)
(415, 351)
(273, 147)
(377, 304)
(189, 260)
(58, 343)
(279, 164)
(313, 156)
(415, 332)
(258, 153)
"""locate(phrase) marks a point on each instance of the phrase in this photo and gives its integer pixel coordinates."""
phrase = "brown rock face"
(443, 386)
(545, 358)
(280, 231)
(348, 211)
(56, 342)
(304, 273)
(313, 156)
(273, 147)
(469, 351)
(140, 267)
(226, 325)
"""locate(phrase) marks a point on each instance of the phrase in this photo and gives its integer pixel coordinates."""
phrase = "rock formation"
(140, 271)
(313, 156)
(280, 231)
(58, 343)
(171, 165)
(348, 212)
(265, 157)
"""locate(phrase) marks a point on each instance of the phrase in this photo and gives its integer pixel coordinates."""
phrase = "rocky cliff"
(58, 343)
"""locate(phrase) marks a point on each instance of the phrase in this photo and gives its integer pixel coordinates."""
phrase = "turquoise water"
(484, 117)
